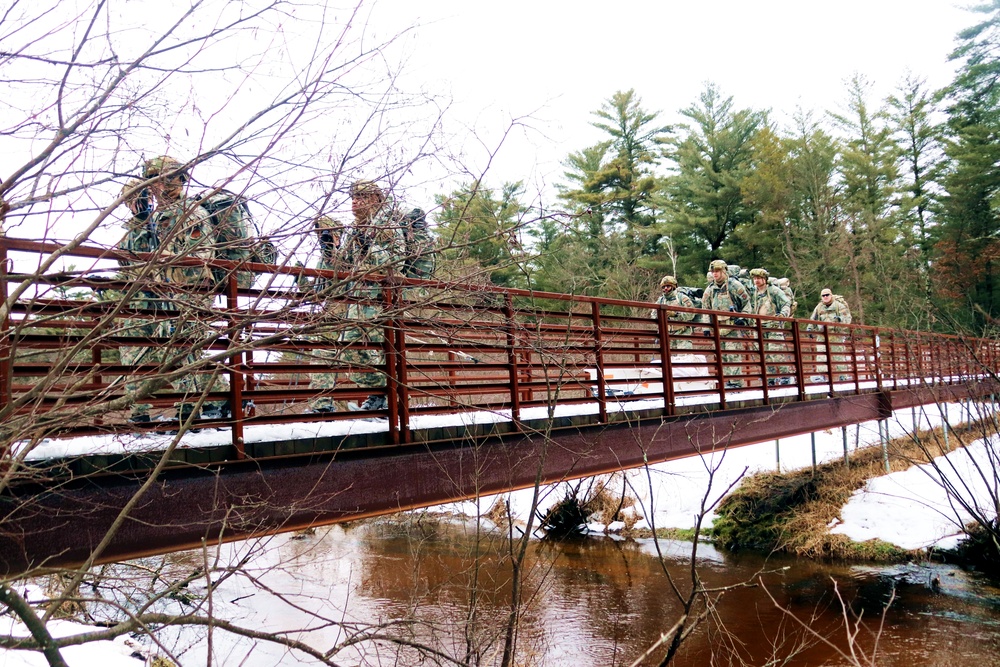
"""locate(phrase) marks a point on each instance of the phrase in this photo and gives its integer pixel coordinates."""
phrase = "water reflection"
(604, 601)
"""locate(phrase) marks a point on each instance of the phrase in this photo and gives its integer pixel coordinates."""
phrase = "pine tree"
(968, 238)
(481, 233)
(868, 173)
(705, 203)
(615, 178)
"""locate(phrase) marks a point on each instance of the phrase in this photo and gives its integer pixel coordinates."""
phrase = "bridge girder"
(60, 526)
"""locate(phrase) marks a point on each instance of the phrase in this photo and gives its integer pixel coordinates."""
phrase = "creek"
(603, 601)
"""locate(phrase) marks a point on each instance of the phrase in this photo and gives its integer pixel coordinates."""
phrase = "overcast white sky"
(557, 60)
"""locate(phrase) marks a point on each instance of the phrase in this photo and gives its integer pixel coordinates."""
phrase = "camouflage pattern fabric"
(230, 228)
(184, 230)
(140, 237)
(836, 312)
(327, 356)
(371, 246)
(677, 300)
(772, 301)
(720, 297)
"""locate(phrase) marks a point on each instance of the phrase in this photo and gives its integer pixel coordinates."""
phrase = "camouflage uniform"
(375, 244)
(836, 312)
(231, 235)
(771, 301)
(330, 259)
(140, 237)
(420, 252)
(720, 297)
(676, 299)
(184, 230)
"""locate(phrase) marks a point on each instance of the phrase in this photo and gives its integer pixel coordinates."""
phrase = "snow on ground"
(926, 505)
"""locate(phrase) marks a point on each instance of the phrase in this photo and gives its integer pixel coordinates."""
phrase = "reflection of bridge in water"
(487, 390)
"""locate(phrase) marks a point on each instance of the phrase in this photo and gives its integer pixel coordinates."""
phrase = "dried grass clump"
(595, 500)
(499, 513)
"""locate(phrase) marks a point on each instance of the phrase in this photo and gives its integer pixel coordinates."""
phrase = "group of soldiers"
(727, 294)
(166, 219)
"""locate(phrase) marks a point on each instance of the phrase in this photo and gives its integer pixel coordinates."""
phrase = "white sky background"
(557, 61)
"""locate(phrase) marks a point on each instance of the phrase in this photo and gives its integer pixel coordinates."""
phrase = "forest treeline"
(894, 203)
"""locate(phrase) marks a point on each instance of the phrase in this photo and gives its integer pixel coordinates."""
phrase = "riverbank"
(938, 487)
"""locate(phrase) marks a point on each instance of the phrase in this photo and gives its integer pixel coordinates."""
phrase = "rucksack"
(786, 287)
(740, 274)
(236, 236)
(420, 259)
(693, 293)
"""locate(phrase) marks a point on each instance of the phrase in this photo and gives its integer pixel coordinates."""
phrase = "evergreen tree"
(481, 232)
(813, 228)
(968, 247)
(615, 178)
(705, 203)
(868, 173)
(919, 156)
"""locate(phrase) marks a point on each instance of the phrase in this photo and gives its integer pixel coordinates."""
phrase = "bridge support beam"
(58, 526)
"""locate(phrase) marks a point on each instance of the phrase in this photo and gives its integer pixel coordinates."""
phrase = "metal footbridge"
(487, 390)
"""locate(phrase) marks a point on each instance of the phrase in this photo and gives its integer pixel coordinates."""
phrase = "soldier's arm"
(784, 303)
(745, 296)
(686, 302)
(845, 314)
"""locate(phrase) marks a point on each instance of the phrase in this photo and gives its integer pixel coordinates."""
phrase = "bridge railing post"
(6, 348)
(761, 360)
(396, 329)
(666, 362)
(513, 370)
(798, 359)
(389, 354)
(236, 368)
(602, 398)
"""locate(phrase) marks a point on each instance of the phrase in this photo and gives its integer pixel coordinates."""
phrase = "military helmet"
(326, 222)
(366, 187)
(759, 273)
(131, 185)
(163, 164)
(668, 280)
(718, 265)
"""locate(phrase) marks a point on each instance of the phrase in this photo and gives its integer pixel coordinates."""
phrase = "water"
(603, 601)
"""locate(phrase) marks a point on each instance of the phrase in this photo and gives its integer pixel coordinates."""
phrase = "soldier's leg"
(323, 381)
(732, 361)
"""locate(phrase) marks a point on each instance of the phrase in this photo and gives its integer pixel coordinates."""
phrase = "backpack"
(232, 224)
(693, 293)
(420, 256)
(786, 287)
(740, 274)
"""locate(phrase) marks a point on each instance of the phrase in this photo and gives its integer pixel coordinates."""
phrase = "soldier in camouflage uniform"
(768, 299)
(139, 237)
(670, 297)
(728, 295)
(183, 229)
(375, 244)
(329, 233)
(836, 311)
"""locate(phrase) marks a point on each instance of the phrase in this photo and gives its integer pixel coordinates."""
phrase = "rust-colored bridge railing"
(269, 351)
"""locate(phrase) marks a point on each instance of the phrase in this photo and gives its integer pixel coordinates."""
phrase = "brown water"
(601, 601)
